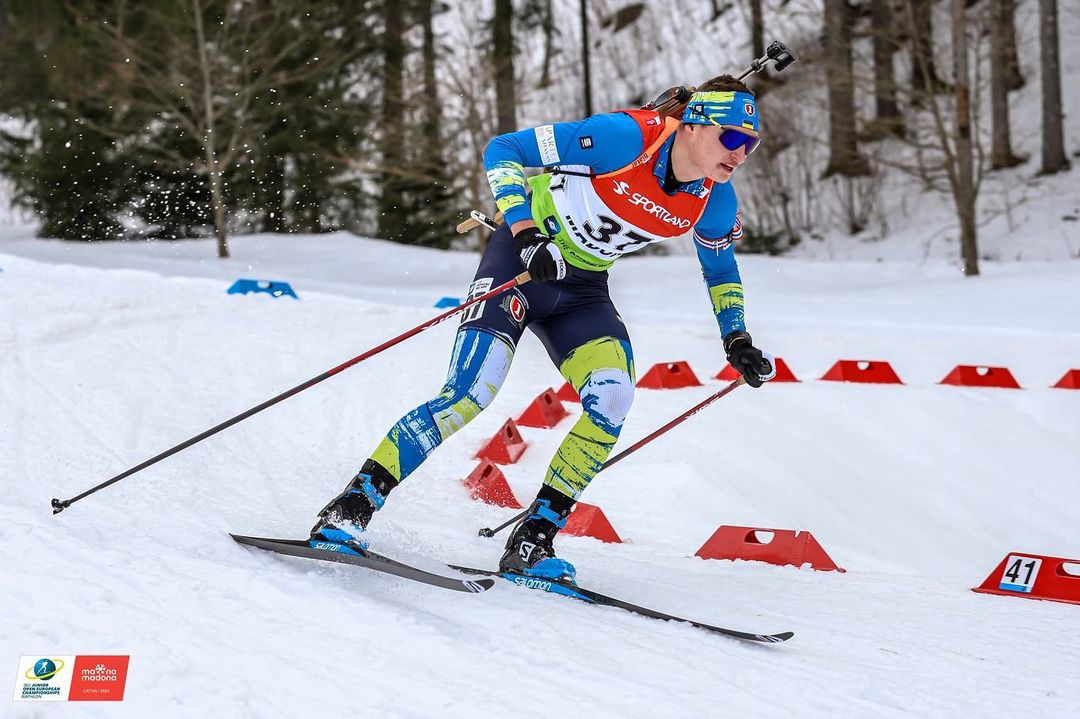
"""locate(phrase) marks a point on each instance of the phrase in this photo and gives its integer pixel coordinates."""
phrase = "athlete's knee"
(477, 370)
(607, 397)
(602, 372)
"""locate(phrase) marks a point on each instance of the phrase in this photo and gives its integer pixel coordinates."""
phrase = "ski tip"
(775, 638)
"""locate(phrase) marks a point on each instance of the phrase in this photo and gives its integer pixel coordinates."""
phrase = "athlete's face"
(713, 159)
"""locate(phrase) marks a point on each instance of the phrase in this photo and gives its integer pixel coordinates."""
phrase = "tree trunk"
(886, 112)
(391, 212)
(275, 186)
(548, 25)
(1053, 139)
(964, 188)
(218, 200)
(209, 140)
(1001, 154)
(844, 158)
(924, 78)
(433, 147)
(503, 55)
(433, 210)
(757, 29)
(1014, 79)
(585, 61)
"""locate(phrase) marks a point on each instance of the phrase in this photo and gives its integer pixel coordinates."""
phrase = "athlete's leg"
(478, 367)
(590, 346)
(483, 351)
(602, 372)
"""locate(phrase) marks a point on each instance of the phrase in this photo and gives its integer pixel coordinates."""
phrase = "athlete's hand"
(540, 255)
(755, 366)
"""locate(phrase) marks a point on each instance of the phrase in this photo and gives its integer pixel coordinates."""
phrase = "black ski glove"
(540, 255)
(755, 366)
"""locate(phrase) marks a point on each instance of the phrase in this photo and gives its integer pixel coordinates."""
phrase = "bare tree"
(1054, 158)
(502, 51)
(963, 176)
(924, 77)
(887, 118)
(547, 23)
(208, 66)
(585, 60)
(1014, 79)
(392, 220)
(844, 158)
(1001, 154)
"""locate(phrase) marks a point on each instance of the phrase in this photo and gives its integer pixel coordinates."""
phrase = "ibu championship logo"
(43, 679)
(71, 678)
(44, 670)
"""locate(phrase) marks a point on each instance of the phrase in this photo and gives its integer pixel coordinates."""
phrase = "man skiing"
(620, 181)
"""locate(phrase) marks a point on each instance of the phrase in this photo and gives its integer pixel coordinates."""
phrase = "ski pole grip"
(479, 219)
(467, 225)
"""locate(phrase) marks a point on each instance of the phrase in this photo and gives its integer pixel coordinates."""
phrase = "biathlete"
(619, 182)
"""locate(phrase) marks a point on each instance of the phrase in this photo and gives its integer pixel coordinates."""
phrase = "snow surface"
(110, 353)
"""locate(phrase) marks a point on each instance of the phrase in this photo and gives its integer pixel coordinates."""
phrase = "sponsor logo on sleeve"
(545, 142)
(586, 142)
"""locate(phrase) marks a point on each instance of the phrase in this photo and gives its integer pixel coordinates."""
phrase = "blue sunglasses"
(734, 139)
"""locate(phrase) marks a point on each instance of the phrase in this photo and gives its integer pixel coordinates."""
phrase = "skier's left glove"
(755, 366)
(540, 255)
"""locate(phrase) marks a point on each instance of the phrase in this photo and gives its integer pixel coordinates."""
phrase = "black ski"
(334, 552)
(567, 589)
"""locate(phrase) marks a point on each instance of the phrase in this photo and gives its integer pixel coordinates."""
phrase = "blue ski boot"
(346, 517)
(529, 551)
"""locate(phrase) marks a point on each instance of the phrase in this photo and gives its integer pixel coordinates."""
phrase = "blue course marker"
(447, 302)
(270, 287)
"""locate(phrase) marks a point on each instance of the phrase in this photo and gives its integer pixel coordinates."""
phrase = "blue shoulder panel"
(603, 143)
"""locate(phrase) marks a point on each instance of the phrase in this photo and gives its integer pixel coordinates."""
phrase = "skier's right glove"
(540, 255)
(755, 366)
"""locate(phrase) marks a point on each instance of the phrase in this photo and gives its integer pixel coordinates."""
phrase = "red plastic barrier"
(568, 394)
(1035, 576)
(588, 520)
(506, 447)
(783, 373)
(669, 375)
(488, 484)
(1069, 380)
(872, 372)
(977, 376)
(545, 411)
(785, 547)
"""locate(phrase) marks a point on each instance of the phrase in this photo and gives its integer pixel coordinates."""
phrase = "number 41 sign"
(1020, 573)
(1034, 576)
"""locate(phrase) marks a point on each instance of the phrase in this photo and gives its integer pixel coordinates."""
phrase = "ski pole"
(477, 218)
(486, 532)
(60, 505)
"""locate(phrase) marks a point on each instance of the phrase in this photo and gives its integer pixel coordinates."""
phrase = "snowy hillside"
(111, 353)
